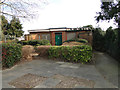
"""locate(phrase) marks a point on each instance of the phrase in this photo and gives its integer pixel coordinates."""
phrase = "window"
(71, 36)
(46, 36)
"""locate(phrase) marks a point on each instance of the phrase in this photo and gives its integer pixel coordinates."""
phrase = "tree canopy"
(89, 26)
(15, 27)
(110, 10)
(12, 28)
(4, 23)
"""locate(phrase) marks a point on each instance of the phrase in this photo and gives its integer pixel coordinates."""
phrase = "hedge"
(77, 40)
(11, 53)
(81, 53)
(35, 42)
(107, 41)
(98, 39)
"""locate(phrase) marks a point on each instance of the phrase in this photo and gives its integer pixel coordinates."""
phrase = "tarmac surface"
(104, 74)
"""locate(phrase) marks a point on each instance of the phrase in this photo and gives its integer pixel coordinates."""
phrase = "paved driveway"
(58, 74)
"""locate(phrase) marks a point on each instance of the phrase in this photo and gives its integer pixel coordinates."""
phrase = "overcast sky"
(66, 13)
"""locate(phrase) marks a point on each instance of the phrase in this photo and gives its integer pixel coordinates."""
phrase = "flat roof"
(59, 29)
(39, 30)
(50, 29)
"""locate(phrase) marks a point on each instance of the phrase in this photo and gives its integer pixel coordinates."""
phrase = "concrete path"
(103, 74)
(107, 66)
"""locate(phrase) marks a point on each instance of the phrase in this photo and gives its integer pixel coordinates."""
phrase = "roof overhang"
(46, 30)
(39, 30)
(59, 29)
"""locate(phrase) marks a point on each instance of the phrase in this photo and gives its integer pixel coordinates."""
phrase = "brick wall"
(64, 34)
(85, 35)
(34, 37)
(53, 38)
(52, 35)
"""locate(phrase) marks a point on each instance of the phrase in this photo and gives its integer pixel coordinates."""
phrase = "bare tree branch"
(21, 8)
(13, 15)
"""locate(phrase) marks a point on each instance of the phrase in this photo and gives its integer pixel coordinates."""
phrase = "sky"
(66, 13)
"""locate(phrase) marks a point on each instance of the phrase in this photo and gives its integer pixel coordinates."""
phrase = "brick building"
(58, 35)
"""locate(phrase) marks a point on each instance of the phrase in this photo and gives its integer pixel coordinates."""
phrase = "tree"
(110, 38)
(89, 26)
(15, 28)
(110, 10)
(20, 8)
(4, 24)
(4, 27)
(98, 39)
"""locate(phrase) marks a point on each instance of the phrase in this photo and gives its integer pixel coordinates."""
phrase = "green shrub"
(111, 43)
(24, 42)
(77, 40)
(98, 39)
(69, 40)
(35, 42)
(19, 42)
(37, 45)
(45, 42)
(81, 53)
(11, 53)
(83, 41)
(107, 41)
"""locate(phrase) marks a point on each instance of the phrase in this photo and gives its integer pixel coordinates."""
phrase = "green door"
(58, 39)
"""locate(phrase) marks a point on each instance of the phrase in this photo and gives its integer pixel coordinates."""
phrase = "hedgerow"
(107, 41)
(81, 53)
(11, 53)
(35, 42)
(77, 40)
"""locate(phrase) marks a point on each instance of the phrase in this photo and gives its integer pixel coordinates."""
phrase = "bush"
(107, 42)
(45, 42)
(98, 39)
(11, 53)
(19, 42)
(23, 42)
(110, 38)
(35, 42)
(111, 43)
(72, 43)
(69, 41)
(77, 40)
(83, 41)
(81, 53)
